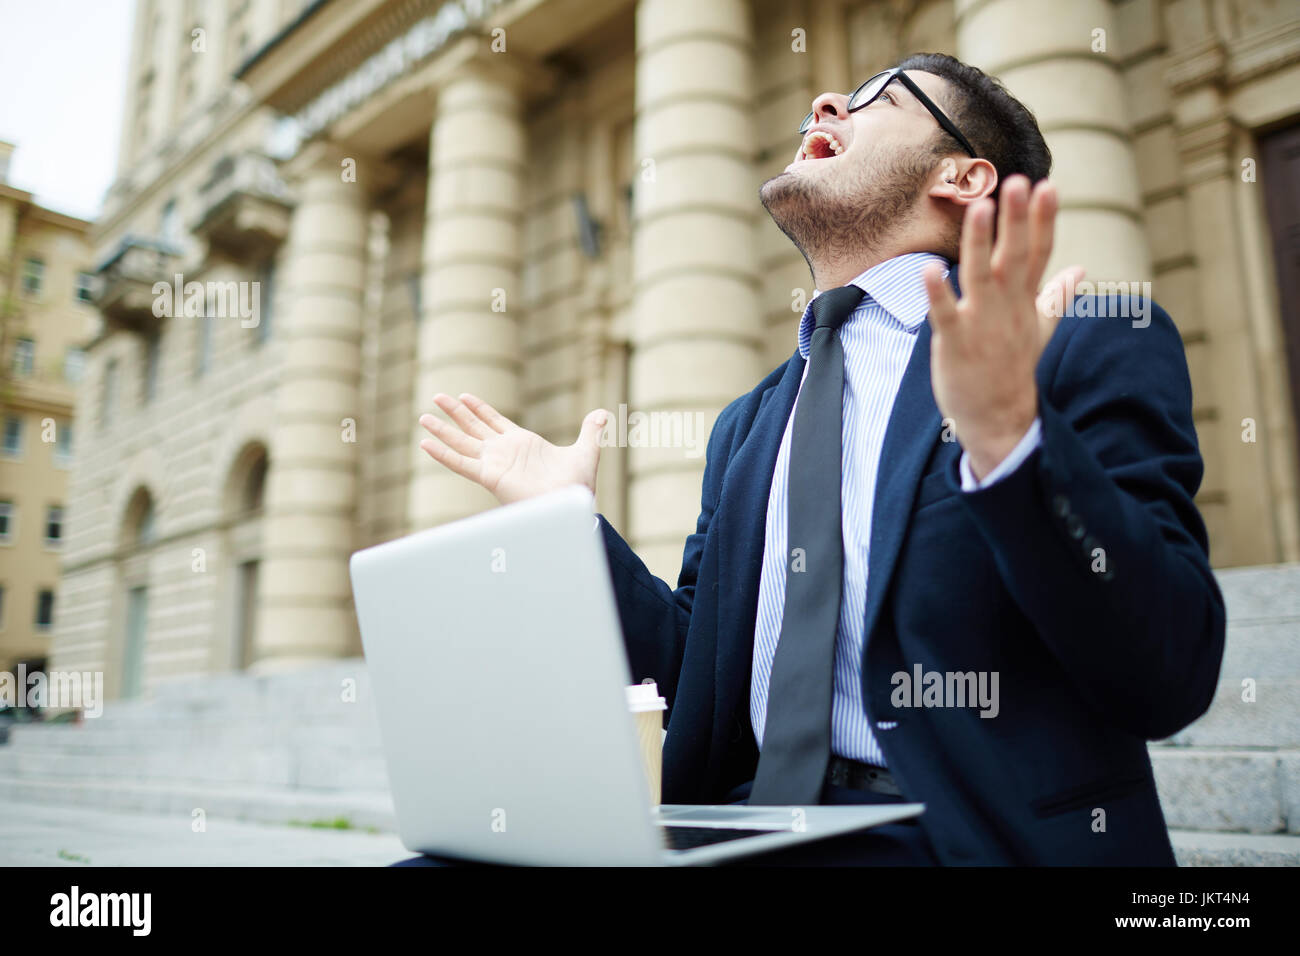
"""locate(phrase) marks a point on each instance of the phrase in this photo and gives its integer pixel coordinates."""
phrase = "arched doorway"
(242, 509)
(136, 537)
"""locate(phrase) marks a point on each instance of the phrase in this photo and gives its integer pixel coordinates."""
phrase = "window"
(63, 445)
(108, 397)
(44, 609)
(8, 522)
(13, 441)
(24, 357)
(53, 525)
(169, 226)
(144, 530)
(33, 277)
(74, 364)
(203, 347)
(265, 303)
(149, 388)
(85, 287)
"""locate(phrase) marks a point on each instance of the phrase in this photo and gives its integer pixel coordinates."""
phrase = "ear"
(962, 180)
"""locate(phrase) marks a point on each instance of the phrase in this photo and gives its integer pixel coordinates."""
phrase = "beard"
(853, 213)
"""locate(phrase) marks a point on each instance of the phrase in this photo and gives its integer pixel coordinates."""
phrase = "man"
(872, 611)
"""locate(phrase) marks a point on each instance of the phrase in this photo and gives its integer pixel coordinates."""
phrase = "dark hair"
(998, 125)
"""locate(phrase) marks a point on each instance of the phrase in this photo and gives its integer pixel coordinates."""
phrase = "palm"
(514, 464)
(509, 461)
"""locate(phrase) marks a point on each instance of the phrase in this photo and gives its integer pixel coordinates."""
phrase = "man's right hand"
(511, 462)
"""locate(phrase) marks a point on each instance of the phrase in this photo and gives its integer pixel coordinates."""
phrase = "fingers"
(453, 438)
(976, 246)
(1058, 290)
(593, 426)
(460, 413)
(486, 413)
(1055, 298)
(1042, 226)
(943, 304)
(1010, 260)
(439, 452)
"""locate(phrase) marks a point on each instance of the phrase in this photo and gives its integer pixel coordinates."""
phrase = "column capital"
(330, 156)
(472, 56)
(1206, 149)
(1203, 63)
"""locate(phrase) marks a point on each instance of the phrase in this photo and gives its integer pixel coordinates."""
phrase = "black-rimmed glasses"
(866, 94)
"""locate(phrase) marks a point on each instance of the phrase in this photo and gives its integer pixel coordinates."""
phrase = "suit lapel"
(741, 515)
(912, 431)
(742, 524)
(910, 436)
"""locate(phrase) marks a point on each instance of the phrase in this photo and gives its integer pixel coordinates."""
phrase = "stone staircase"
(1230, 783)
(296, 748)
(284, 748)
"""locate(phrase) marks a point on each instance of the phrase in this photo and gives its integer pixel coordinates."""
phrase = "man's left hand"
(985, 347)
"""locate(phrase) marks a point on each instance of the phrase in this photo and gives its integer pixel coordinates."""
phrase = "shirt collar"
(897, 285)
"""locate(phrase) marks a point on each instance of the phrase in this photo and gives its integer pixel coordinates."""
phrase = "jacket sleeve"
(655, 617)
(1096, 535)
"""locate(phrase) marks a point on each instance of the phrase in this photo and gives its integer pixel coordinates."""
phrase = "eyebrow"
(899, 87)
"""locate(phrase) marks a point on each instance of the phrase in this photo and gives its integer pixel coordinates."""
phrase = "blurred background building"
(45, 317)
(553, 204)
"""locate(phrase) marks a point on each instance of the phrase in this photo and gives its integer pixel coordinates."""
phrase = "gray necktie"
(797, 730)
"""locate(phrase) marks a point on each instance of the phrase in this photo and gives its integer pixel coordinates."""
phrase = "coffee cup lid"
(645, 697)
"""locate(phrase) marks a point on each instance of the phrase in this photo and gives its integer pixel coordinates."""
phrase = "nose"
(829, 105)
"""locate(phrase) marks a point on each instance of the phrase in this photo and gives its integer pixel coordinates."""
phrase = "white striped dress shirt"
(877, 339)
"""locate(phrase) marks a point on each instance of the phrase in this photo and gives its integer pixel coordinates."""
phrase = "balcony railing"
(125, 281)
(243, 207)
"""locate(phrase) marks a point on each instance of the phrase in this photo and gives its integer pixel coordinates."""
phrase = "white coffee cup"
(647, 709)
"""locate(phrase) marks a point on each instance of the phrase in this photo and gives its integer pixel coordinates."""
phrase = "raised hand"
(511, 462)
(984, 348)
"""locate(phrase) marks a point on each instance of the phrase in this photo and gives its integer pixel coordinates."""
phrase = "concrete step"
(362, 809)
(1262, 648)
(1269, 718)
(1222, 789)
(1193, 848)
(318, 765)
(1270, 592)
(104, 736)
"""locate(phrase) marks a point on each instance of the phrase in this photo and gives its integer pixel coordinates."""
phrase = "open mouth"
(820, 145)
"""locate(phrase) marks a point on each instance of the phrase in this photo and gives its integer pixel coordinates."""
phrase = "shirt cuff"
(1031, 440)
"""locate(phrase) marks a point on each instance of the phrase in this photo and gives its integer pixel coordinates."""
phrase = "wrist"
(988, 448)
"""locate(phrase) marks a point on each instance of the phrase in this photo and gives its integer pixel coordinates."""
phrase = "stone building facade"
(553, 204)
(45, 315)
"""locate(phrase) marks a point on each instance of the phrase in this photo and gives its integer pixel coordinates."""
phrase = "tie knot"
(832, 307)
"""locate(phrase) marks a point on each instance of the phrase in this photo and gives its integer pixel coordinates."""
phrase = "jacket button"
(1061, 505)
(1074, 525)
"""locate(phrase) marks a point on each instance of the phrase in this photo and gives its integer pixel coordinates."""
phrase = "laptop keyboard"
(689, 838)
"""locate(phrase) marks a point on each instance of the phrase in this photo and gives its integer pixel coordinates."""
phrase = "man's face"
(856, 175)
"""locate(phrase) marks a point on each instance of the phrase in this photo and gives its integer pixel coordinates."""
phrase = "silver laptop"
(496, 657)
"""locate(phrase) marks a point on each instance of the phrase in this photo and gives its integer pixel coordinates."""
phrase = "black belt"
(861, 776)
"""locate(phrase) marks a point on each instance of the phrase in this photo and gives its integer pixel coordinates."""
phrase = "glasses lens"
(869, 90)
(807, 122)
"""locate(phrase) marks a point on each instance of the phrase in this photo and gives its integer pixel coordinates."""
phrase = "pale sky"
(62, 85)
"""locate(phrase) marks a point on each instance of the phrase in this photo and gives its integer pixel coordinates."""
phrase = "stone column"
(1044, 54)
(1260, 523)
(305, 607)
(471, 295)
(697, 322)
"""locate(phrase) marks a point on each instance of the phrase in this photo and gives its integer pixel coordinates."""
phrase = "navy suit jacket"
(1094, 659)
